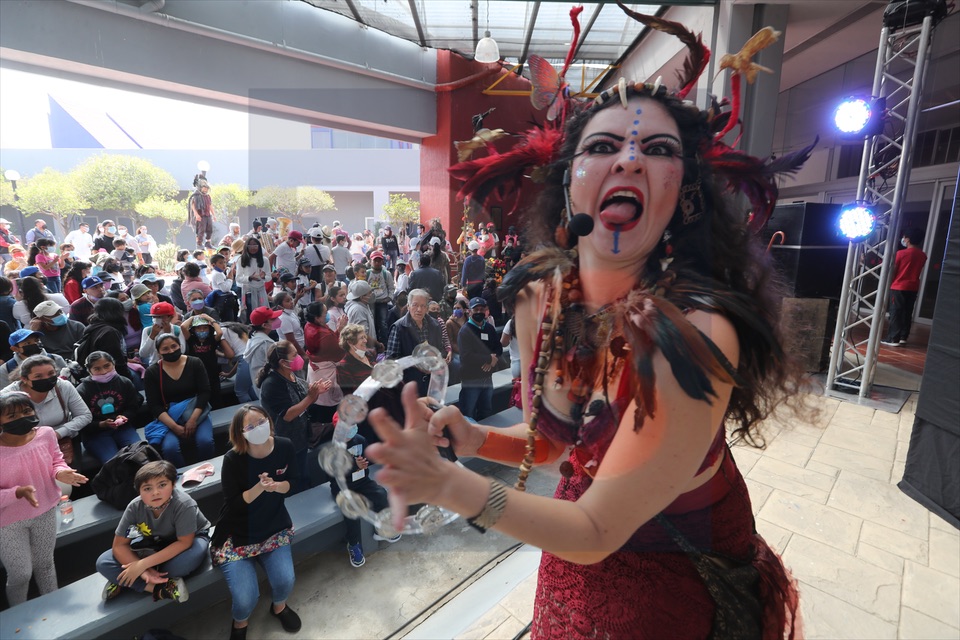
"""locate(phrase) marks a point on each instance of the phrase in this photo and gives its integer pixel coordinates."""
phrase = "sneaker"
(903, 342)
(377, 536)
(110, 591)
(207, 245)
(288, 618)
(356, 555)
(891, 344)
(174, 589)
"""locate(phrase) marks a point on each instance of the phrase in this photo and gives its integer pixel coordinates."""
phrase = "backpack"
(114, 483)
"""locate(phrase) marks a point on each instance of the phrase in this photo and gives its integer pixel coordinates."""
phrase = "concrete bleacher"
(76, 610)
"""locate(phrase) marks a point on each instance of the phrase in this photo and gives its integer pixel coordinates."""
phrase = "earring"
(667, 250)
(691, 203)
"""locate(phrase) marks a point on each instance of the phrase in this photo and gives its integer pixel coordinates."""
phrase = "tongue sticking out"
(618, 213)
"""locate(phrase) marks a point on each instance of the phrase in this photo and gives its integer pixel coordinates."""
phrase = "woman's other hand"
(29, 493)
(71, 477)
(465, 438)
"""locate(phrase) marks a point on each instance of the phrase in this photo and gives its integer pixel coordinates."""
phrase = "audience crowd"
(96, 342)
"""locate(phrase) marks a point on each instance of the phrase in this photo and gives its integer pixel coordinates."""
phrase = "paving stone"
(902, 448)
(851, 410)
(917, 626)
(485, 624)
(878, 445)
(825, 469)
(879, 557)
(745, 456)
(799, 437)
(938, 523)
(826, 616)
(945, 553)
(519, 602)
(932, 593)
(813, 520)
(508, 630)
(895, 542)
(846, 459)
(879, 502)
(798, 481)
(844, 576)
(758, 494)
(776, 537)
(896, 473)
(795, 454)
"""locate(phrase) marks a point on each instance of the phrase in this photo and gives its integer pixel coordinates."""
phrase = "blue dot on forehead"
(639, 111)
(636, 122)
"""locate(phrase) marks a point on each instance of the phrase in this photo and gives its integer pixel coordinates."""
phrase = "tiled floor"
(871, 562)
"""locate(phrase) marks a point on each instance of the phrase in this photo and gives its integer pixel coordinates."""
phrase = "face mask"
(196, 305)
(104, 378)
(903, 242)
(478, 317)
(434, 314)
(258, 434)
(21, 426)
(127, 304)
(31, 349)
(49, 249)
(201, 335)
(59, 320)
(218, 269)
(458, 313)
(296, 364)
(360, 352)
(43, 385)
(111, 229)
(275, 324)
(173, 356)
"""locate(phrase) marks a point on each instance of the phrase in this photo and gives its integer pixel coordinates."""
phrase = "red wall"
(455, 108)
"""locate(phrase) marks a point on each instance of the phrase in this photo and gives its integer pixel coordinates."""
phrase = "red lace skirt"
(649, 588)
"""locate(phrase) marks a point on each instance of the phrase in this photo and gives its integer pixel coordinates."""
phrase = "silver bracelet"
(496, 503)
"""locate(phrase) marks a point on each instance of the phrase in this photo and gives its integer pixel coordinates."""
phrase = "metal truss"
(884, 177)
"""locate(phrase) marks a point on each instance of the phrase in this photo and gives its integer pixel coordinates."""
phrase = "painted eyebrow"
(605, 134)
(660, 135)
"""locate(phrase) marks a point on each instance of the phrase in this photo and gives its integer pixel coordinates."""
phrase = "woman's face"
(253, 248)
(42, 372)
(626, 176)
(168, 346)
(101, 367)
(19, 411)
(361, 341)
(287, 303)
(341, 298)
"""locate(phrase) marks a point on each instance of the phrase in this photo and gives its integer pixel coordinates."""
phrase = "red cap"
(295, 235)
(162, 309)
(376, 254)
(261, 314)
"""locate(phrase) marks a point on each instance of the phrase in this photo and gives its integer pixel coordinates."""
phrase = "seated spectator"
(33, 292)
(287, 399)
(355, 368)
(263, 322)
(358, 480)
(254, 526)
(125, 258)
(155, 285)
(71, 282)
(23, 344)
(197, 306)
(111, 271)
(323, 354)
(204, 339)
(31, 464)
(82, 308)
(106, 331)
(115, 404)
(143, 300)
(56, 401)
(7, 302)
(131, 338)
(178, 397)
(161, 538)
(192, 280)
(163, 315)
(60, 334)
(176, 288)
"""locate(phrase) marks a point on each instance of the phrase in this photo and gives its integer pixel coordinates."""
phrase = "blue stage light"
(856, 222)
(860, 116)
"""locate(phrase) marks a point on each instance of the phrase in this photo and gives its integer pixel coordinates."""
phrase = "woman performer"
(646, 321)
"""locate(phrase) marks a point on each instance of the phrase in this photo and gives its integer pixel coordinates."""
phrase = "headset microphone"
(580, 224)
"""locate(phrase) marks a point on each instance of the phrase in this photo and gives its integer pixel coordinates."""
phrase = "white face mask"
(360, 352)
(258, 434)
(903, 242)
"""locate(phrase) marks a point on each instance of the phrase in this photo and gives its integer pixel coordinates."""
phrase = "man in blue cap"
(25, 343)
(479, 351)
(82, 308)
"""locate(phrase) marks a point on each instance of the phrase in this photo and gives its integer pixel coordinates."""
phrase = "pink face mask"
(275, 324)
(296, 364)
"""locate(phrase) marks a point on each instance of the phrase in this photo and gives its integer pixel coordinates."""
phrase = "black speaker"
(813, 255)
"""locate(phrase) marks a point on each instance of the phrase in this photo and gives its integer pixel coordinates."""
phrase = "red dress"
(649, 588)
(71, 290)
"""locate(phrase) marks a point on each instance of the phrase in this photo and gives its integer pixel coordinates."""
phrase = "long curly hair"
(717, 251)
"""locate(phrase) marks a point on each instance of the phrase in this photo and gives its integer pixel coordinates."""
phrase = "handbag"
(734, 590)
(66, 449)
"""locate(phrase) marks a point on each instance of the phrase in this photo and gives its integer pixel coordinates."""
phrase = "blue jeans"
(203, 438)
(241, 576)
(53, 283)
(179, 566)
(476, 398)
(104, 443)
(243, 383)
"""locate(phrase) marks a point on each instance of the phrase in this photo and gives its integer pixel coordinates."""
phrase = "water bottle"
(66, 510)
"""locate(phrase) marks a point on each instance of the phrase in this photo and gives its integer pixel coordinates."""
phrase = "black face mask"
(44, 384)
(20, 426)
(434, 314)
(478, 317)
(31, 349)
(173, 356)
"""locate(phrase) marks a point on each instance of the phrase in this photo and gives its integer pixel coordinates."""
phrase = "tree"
(113, 181)
(294, 202)
(6, 191)
(227, 200)
(52, 193)
(401, 210)
(172, 212)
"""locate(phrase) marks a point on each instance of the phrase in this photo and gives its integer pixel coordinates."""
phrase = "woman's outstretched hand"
(413, 472)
